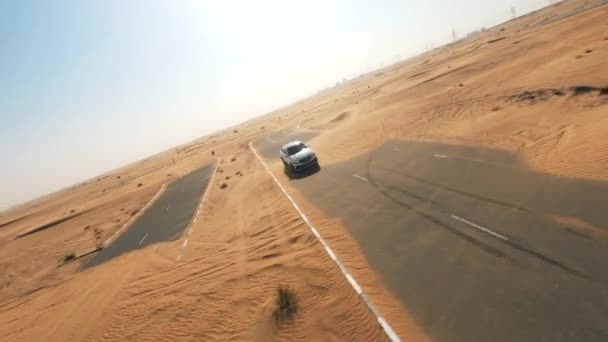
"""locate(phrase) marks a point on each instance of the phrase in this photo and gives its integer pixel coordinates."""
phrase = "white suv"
(297, 157)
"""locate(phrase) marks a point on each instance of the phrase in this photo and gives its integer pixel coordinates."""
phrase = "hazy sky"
(87, 86)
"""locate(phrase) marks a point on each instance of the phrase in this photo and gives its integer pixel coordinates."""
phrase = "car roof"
(290, 144)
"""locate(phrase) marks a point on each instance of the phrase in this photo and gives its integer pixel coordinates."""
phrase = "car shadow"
(302, 174)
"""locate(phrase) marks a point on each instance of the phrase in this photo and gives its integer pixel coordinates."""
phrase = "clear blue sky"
(88, 86)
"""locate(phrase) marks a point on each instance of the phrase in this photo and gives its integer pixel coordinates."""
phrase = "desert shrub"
(286, 304)
(69, 257)
(579, 90)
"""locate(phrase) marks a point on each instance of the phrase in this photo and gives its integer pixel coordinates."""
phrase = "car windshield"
(291, 150)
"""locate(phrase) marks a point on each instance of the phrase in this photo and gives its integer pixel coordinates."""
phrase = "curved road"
(475, 245)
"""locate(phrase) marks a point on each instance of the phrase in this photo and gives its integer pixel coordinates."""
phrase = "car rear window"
(291, 150)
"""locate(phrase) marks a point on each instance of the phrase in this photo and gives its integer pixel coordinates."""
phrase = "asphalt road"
(466, 239)
(165, 219)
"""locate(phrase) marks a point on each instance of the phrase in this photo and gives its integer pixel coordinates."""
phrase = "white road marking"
(183, 249)
(198, 212)
(390, 333)
(361, 178)
(142, 239)
(331, 253)
(483, 229)
(434, 155)
(136, 216)
(354, 284)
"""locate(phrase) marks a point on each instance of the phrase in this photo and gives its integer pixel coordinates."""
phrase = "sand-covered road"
(464, 189)
(451, 226)
(164, 220)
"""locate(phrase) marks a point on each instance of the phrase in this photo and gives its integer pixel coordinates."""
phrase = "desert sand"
(535, 86)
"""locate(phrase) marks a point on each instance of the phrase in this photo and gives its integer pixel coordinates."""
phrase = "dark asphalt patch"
(165, 220)
(51, 224)
(12, 221)
(460, 283)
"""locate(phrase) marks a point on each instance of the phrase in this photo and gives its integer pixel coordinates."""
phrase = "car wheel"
(292, 169)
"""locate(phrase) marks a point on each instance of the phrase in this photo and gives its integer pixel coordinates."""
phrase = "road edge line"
(390, 333)
(129, 222)
(198, 210)
(135, 217)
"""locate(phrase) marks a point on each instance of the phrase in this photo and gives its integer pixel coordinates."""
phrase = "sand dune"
(535, 86)
(243, 246)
